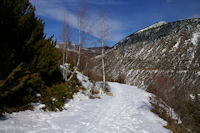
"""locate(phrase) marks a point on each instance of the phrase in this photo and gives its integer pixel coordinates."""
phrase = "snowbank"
(127, 111)
(90, 85)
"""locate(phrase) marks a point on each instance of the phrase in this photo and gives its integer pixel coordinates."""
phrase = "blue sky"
(123, 16)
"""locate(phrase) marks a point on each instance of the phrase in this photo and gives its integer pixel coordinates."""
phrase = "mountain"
(164, 59)
(171, 49)
(91, 51)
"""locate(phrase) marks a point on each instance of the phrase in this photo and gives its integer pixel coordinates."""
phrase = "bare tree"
(65, 46)
(84, 29)
(104, 34)
(82, 25)
(102, 42)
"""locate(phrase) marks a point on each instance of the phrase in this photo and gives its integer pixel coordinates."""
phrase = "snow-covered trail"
(127, 111)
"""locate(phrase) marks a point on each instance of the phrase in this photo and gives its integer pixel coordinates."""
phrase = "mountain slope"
(164, 59)
(128, 110)
(171, 48)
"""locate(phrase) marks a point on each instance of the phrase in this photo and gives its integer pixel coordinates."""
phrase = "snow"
(38, 95)
(198, 73)
(177, 44)
(84, 80)
(192, 96)
(89, 85)
(127, 111)
(195, 38)
(140, 52)
(153, 26)
(164, 50)
(65, 66)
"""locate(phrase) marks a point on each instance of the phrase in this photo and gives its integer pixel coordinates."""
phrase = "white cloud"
(195, 16)
(105, 2)
(56, 10)
(169, 1)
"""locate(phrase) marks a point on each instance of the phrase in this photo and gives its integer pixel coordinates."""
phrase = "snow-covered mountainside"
(165, 60)
(171, 49)
(127, 111)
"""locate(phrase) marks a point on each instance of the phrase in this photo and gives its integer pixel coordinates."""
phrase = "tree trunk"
(63, 53)
(79, 44)
(103, 65)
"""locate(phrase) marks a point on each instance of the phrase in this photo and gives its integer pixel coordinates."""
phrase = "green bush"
(54, 97)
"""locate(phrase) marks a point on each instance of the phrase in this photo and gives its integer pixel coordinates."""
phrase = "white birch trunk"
(103, 65)
(63, 53)
(79, 45)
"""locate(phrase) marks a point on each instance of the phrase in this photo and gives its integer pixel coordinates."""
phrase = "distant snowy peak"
(153, 26)
(156, 25)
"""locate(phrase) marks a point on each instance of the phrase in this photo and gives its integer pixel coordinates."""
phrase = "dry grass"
(109, 93)
(176, 96)
(172, 124)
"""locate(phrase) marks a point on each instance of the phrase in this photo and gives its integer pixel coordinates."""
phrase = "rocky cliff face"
(163, 49)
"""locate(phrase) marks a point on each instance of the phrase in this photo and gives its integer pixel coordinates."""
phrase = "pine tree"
(29, 62)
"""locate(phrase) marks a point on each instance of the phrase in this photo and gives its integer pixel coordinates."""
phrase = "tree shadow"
(4, 117)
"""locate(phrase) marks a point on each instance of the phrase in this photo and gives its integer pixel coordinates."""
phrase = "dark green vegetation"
(29, 62)
(56, 96)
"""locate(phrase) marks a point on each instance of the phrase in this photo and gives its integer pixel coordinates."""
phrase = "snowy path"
(127, 111)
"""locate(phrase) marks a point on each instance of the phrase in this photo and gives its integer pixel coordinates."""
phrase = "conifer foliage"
(29, 63)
